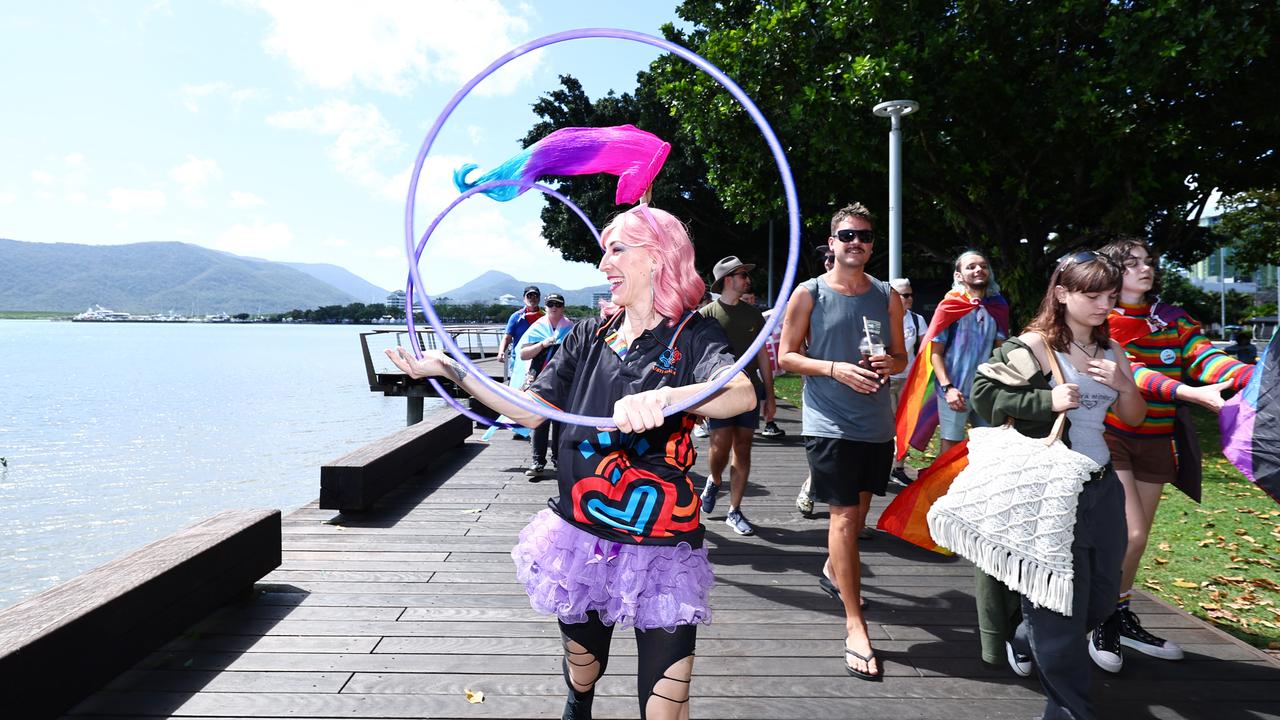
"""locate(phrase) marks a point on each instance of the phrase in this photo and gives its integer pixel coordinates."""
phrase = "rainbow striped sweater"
(1173, 354)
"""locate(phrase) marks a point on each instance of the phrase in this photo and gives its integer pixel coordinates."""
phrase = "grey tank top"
(1086, 427)
(831, 408)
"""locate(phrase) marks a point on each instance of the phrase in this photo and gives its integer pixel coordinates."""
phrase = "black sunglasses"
(553, 303)
(863, 236)
(1087, 256)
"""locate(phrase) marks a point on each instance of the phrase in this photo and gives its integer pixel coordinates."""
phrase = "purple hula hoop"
(417, 257)
(788, 184)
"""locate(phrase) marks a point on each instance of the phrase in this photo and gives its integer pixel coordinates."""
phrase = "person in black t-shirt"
(622, 544)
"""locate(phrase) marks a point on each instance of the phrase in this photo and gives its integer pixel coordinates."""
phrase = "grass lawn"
(1218, 560)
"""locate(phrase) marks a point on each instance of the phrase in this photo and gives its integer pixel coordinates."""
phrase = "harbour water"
(114, 435)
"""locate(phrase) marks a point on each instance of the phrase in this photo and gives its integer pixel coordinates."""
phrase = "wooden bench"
(355, 481)
(63, 644)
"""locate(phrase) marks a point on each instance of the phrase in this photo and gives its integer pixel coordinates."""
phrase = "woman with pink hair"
(623, 542)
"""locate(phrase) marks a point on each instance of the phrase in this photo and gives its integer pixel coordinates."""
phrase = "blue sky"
(286, 130)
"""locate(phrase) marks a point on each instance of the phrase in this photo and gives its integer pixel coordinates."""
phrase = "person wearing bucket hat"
(731, 437)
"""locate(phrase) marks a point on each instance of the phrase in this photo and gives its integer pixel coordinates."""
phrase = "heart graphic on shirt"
(1089, 403)
(629, 499)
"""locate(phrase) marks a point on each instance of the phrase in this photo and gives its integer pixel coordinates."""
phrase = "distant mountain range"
(158, 277)
(488, 287)
(161, 276)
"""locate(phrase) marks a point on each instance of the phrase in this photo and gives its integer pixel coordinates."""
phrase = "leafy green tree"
(1250, 226)
(1043, 126)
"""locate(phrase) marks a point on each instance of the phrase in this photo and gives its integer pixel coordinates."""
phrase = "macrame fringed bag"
(1012, 511)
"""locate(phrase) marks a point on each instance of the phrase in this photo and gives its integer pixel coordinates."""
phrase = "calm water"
(118, 434)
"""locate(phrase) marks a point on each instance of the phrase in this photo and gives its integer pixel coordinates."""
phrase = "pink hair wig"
(677, 287)
(632, 154)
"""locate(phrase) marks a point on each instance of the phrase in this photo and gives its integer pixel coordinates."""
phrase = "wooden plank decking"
(397, 612)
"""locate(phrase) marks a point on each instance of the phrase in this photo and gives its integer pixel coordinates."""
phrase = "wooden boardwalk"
(397, 613)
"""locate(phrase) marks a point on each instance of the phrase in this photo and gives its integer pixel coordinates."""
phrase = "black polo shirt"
(625, 487)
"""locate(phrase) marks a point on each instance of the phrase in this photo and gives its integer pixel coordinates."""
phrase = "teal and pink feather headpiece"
(632, 154)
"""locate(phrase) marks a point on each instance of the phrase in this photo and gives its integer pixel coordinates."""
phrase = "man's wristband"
(948, 388)
(832, 372)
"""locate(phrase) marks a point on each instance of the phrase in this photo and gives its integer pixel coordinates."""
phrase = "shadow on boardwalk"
(398, 612)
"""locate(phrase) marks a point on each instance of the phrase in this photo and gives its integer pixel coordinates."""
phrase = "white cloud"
(242, 200)
(361, 136)
(476, 134)
(193, 176)
(335, 242)
(42, 177)
(74, 159)
(193, 96)
(259, 239)
(8, 197)
(390, 46)
(126, 200)
(196, 173)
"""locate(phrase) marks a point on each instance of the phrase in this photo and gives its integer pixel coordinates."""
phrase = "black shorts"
(843, 468)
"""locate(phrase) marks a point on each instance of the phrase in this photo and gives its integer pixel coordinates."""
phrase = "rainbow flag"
(917, 416)
(1250, 423)
(905, 516)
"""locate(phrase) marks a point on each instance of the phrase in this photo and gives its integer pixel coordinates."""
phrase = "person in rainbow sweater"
(1168, 352)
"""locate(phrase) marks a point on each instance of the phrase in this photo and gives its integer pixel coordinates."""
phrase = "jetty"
(410, 609)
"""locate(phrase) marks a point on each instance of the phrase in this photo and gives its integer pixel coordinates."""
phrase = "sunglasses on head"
(862, 236)
(1087, 256)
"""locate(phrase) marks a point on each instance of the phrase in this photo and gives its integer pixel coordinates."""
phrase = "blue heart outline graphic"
(634, 514)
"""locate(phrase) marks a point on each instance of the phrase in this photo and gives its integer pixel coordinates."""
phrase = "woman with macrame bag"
(1039, 507)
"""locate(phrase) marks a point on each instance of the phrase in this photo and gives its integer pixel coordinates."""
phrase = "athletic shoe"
(771, 430)
(709, 494)
(899, 476)
(535, 470)
(700, 430)
(1104, 645)
(1134, 636)
(804, 504)
(1019, 662)
(736, 520)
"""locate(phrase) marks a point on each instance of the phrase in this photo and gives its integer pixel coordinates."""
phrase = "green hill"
(151, 278)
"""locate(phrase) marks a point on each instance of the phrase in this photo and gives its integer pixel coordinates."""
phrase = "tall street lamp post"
(894, 110)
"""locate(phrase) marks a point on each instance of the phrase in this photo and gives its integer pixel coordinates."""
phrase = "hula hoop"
(417, 257)
(788, 184)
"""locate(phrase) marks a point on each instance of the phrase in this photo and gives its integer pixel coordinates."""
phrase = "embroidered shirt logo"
(666, 361)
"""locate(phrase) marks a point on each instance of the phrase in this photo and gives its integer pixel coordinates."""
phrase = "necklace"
(1092, 354)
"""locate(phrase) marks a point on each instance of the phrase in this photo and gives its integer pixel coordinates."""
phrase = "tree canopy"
(1043, 127)
(1250, 226)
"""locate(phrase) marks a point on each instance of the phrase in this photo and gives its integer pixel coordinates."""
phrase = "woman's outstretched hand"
(431, 364)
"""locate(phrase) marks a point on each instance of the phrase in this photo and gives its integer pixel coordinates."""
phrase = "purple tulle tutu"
(569, 572)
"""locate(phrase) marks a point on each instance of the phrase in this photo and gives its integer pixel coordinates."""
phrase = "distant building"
(396, 301)
(1216, 270)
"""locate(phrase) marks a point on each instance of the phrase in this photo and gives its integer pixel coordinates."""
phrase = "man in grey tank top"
(847, 417)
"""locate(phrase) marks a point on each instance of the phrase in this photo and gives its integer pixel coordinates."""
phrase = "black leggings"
(657, 649)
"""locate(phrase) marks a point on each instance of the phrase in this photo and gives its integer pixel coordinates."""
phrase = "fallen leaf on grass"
(475, 696)
(1204, 543)
(1266, 584)
(1209, 606)
(1223, 615)
(1162, 561)
(1164, 547)
(1155, 585)
(1179, 582)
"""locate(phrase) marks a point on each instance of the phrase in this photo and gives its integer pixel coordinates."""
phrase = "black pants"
(540, 434)
(1057, 642)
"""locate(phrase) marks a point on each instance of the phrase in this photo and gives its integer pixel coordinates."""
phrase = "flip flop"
(831, 589)
(877, 677)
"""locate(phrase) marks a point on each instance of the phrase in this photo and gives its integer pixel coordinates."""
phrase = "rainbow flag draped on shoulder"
(917, 416)
(917, 419)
